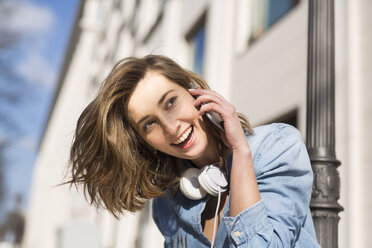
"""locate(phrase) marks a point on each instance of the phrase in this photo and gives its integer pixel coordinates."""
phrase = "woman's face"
(164, 115)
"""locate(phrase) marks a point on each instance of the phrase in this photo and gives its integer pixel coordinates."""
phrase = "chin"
(198, 152)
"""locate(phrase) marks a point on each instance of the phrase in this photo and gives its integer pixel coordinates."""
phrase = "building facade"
(253, 52)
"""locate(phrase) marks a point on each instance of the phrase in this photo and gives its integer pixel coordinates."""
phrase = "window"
(198, 50)
(196, 39)
(276, 9)
(265, 13)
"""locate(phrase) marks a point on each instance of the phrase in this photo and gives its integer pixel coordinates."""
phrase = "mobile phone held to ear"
(214, 117)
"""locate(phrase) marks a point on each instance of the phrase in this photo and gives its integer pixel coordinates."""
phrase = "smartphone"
(214, 117)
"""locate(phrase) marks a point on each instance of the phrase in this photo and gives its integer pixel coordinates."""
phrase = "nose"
(170, 126)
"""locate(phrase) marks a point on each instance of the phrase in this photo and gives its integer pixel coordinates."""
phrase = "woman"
(147, 126)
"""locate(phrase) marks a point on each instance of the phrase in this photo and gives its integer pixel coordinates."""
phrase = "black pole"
(320, 130)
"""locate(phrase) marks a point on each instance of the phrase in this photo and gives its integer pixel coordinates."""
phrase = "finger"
(207, 96)
(221, 106)
(207, 99)
(211, 107)
(194, 91)
(200, 91)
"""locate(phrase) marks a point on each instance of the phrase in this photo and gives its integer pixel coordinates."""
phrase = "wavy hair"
(117, 168)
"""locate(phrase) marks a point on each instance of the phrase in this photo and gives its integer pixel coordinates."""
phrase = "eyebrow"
(159, 102)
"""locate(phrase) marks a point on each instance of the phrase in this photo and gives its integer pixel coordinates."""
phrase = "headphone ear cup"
(212, 179)
(190, 186)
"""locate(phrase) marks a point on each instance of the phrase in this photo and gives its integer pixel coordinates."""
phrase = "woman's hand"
(243, 184)
(233, 136)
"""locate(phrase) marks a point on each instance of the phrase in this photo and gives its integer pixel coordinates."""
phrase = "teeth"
(184, 136)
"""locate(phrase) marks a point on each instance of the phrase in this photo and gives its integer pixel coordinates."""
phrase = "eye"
(170, 102)
(148, 124)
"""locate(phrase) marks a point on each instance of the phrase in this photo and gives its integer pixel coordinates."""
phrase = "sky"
(45, 27)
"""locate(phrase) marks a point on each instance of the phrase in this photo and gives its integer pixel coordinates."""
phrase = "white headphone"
(195, 183)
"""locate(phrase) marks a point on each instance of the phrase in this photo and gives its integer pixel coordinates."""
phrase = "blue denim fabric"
(281, 218)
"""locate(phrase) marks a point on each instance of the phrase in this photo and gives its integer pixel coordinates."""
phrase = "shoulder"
(273, 131)
(275, 145)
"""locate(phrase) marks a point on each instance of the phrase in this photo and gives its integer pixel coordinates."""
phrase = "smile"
(186, 138)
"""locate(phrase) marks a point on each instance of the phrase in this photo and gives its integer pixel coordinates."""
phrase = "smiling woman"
(134, 125)
(146, 135)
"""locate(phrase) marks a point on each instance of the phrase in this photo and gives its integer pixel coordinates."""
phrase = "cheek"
(190, 110)
(154, 139)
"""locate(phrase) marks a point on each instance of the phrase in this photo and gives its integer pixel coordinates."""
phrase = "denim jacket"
(281, 218)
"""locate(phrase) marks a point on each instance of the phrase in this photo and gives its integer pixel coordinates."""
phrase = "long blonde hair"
(117, 168)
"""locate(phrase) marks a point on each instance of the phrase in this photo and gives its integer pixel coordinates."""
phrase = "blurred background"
(55, 54)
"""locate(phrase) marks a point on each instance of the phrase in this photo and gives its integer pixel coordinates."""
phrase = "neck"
(209, 157)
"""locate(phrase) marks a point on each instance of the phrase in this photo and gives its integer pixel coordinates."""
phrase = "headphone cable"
(215, 216)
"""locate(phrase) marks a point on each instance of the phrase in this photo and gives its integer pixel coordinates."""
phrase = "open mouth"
(184, 140)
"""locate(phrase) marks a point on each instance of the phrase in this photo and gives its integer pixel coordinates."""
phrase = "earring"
(156, 155)
(157, 165)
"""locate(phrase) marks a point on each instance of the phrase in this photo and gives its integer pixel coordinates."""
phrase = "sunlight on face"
(164, 115)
